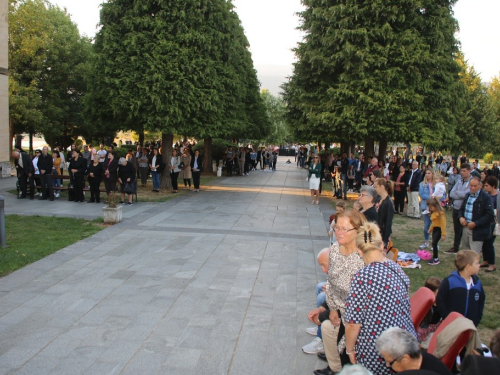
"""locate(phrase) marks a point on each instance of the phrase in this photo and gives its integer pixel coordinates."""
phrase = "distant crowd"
(89, 168)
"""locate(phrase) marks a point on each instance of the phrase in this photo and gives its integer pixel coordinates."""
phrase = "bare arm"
(351, 336)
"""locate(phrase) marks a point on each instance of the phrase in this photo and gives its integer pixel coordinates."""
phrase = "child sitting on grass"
(437, 228)
(462, 291)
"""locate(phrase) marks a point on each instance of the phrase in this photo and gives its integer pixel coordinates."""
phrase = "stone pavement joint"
(216, 282)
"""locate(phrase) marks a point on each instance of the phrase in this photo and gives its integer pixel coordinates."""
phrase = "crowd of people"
(37, 175)
(241, 160)
(363, 309)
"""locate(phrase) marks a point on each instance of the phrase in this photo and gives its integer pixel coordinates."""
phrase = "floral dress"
(378, 299)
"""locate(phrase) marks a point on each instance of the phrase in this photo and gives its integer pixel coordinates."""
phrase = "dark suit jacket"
(45, 163)
(27, 164)
(200, 163)
(415, 180)
(482, 215)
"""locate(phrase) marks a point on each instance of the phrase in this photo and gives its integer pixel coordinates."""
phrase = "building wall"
(4, 89)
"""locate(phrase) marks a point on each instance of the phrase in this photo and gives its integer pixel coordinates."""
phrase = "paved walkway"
(216, 282)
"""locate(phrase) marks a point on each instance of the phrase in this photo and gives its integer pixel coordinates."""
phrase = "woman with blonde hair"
(378, 299)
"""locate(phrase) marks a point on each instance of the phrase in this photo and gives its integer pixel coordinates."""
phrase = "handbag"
(129, 188)
(181, 165)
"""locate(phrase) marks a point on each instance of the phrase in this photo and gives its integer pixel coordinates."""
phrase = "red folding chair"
(450, 357)
(421, 302)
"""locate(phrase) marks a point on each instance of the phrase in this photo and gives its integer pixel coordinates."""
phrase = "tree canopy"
(47, 60)
(382, 69)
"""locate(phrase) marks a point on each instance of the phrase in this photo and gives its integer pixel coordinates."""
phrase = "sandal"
(484, 265)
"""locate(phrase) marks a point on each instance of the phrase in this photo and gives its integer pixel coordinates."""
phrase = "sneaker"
(122, 202)
(315, 347)
(450, 251)
(312, 330)
(425, 245)
(129, 203)
(433, 262)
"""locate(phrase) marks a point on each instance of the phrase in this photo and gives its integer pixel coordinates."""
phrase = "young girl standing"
(437, 228)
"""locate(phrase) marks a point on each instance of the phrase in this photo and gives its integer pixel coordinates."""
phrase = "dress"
(378, 299)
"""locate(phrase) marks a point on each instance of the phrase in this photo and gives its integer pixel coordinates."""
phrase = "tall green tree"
(368, 69)
(47, 56)
(478, 124)
(276, 110)
(172, 66)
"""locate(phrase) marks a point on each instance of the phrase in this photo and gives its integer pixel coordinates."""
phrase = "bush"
(488, 158)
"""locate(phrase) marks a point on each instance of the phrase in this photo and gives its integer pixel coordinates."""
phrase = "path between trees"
(216, 282)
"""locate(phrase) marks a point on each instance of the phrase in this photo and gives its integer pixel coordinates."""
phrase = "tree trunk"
(382, 148)
(167, 139)
(207, 155)
(31, 144)
(407, 151)
(141, 138)
(327, 146)
(369, 147)
(344, 147)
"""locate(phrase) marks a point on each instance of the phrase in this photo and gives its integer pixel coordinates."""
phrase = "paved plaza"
(216, 282)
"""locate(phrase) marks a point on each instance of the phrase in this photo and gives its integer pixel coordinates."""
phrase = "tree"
(477, 119)
(276, 109)
(372, 69)
(173, 66)
(46, 58)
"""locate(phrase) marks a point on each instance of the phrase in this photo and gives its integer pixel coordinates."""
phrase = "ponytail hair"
(388, 185)
(368, 238)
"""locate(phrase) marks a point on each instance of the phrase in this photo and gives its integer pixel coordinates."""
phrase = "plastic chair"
(450, 357)
(421, 302)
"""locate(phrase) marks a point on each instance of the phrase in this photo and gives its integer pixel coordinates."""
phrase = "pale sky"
(270, 28)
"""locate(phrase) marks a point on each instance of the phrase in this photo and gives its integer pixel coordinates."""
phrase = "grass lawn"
(30, 238)
(407, 235)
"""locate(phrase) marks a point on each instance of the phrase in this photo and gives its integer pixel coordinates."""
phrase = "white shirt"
(35, 165)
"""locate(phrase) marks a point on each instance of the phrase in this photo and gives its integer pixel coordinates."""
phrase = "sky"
(270, 26)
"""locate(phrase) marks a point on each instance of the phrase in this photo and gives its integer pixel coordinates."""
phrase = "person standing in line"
(491, 187)
(77, 168)
(400, 190)
(314, 179)
(45, 163)
(197, 168)
(24, 172)
(175, 160)
(155, 166)
(458, 193)
(185, 167)
(143, 163)
(94, 176)
(110, 172)
(412, 189)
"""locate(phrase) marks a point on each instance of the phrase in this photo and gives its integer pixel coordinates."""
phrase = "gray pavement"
(216, 282)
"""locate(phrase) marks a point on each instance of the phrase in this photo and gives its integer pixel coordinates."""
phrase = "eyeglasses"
(342, 230)
(363, 195)
(393, 361)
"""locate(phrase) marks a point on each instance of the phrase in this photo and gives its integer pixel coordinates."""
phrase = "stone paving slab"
(218, 282)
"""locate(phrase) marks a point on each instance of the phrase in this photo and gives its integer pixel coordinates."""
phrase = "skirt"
(314, 183)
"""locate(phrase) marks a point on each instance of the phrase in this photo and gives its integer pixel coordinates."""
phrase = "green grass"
(407, 235)
(31, 238)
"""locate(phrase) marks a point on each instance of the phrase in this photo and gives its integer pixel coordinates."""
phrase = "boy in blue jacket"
(462, 291)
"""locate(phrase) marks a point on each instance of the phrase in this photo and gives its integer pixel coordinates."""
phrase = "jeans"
(156, 180)
(320, 294)
(344, 185)
(427, 225)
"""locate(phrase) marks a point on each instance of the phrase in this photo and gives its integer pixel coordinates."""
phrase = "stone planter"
(112, 215)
